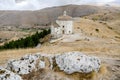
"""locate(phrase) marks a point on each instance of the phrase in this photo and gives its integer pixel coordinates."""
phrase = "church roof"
(55, 24)
(64, 17)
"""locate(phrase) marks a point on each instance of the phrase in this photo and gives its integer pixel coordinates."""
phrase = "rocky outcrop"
(26, 64)
(77, 62)
(30, 65)
(8, 75)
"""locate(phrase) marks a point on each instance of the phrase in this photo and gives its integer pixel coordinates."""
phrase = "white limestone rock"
(69, 62)
(26, 64)
(77, 62)
(42, 64)
(8, 75)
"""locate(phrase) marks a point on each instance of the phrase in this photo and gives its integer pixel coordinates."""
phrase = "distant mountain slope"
(43, 16)
(47, 15)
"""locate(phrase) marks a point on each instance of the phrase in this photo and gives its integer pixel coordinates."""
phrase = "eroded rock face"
(8, 75)
(26, 64)
(77, 62)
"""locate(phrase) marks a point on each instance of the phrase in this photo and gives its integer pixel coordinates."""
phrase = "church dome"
(64, 17)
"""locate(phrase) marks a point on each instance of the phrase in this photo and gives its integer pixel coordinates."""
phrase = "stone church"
(62, 26)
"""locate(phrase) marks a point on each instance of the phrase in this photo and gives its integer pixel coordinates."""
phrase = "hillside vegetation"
(30, 41)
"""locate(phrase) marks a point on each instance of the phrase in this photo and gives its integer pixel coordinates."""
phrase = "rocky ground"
(113, 66)
(69, 64)
(65, 66)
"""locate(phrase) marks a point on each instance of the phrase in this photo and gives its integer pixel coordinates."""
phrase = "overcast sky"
(39, 4)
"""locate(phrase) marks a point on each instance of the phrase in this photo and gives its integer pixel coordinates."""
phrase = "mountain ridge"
(46, 15)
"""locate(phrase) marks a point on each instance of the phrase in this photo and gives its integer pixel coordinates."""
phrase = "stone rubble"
(8, 75)
(77, 62)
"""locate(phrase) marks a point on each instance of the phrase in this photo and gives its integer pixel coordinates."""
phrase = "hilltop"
(91, 38)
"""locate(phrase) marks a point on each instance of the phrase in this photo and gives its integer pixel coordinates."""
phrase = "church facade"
(63, 25)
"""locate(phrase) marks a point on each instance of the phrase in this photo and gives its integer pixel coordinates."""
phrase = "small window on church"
(69, 31)
(63, 26)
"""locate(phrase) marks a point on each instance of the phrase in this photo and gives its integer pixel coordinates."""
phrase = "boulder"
(77, 62)
(8, 75)
(26, 64)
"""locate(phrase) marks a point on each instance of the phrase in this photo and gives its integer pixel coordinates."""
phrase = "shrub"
(97, 30)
